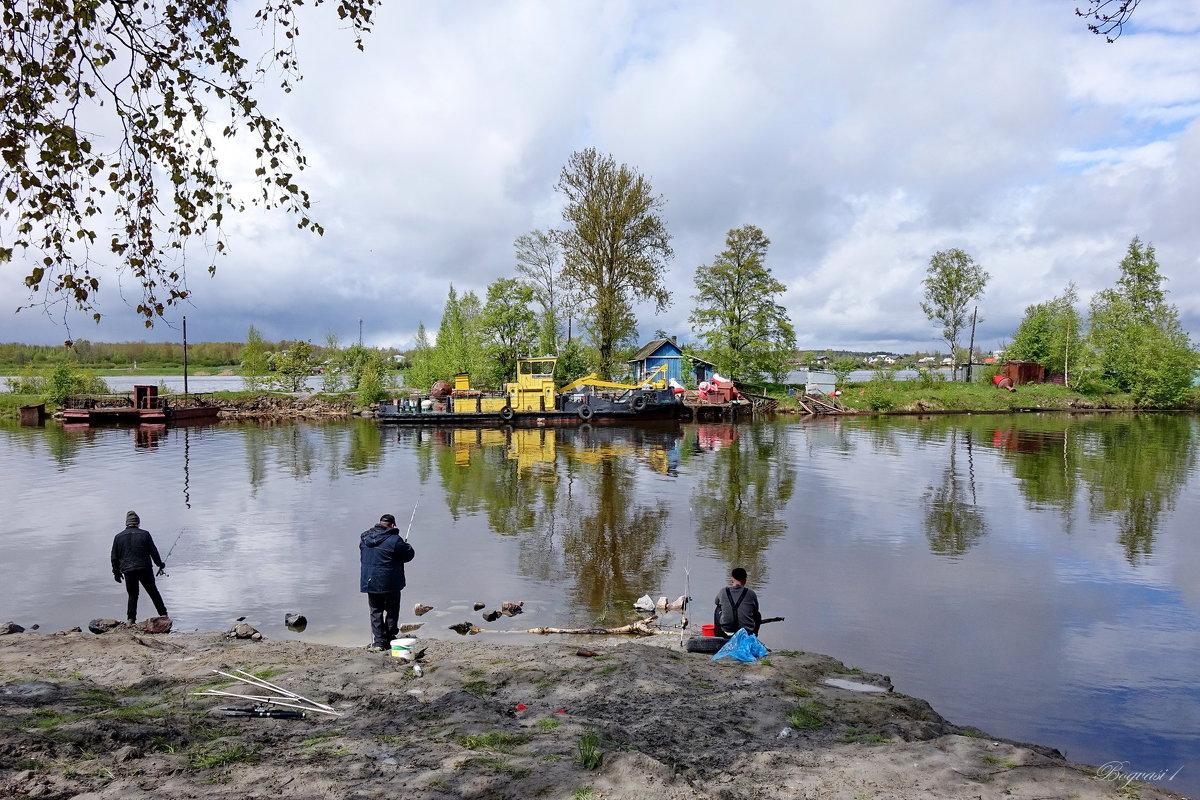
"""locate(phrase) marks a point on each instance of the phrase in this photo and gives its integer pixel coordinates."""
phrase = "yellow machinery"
(657, 379)
(533, 390)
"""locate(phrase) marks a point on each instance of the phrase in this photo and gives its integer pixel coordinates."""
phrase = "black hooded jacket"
(382, 556)
(133, 548)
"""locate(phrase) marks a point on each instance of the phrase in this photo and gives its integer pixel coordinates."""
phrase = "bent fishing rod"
(162, 571)
(408, 532)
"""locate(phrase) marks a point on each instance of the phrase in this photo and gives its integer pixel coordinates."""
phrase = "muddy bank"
(113, 716)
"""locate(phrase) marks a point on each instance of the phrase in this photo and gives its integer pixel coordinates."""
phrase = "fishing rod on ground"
(162, 571)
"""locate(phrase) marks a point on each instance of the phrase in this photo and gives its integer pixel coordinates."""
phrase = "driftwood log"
(643, 627)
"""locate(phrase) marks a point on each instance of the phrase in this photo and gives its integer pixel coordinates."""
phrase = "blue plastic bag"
(742, 647)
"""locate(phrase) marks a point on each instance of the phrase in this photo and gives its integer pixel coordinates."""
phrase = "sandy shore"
(113, 716)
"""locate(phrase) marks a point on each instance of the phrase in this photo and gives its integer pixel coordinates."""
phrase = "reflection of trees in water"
(1135, 471)
(365, 447)
(741, 492)
(613, 546)
(287, 445)
(953, 523)
(568, 495)
(1132, 467)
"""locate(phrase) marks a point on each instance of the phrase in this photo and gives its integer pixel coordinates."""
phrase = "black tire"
(585, 413)
(704, 644)
(506, 413)
(639, 403)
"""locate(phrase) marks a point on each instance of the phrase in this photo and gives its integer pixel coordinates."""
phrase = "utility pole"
(360, 333)
(971, 347)
(185, 391)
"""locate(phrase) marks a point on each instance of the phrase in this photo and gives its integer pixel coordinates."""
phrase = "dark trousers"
(144, 577)
(385, 615)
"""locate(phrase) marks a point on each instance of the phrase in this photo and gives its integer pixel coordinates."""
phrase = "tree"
(615, 247)
(746, 332)
(424, 370)
(1050, 333)
(459, 348)
(254, 361)
(293, 366)
(1108, 16)
(508, 328)
(1136, 343)
(539, 261)
(111, 120)
(335, 361)
(952, 281)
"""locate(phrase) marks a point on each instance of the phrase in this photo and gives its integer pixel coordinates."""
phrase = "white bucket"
(402, 648)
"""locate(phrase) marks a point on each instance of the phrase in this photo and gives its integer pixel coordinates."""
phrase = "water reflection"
(741, 491)
(953, 521)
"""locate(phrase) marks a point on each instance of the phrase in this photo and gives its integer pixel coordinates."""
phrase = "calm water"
(1034, 576)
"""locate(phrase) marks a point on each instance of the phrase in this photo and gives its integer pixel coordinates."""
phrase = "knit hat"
(738, 574)
(132, 520)
(388, 518)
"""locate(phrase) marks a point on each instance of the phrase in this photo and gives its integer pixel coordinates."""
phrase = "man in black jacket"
(737, 607)
(133, 554)
(382, 555)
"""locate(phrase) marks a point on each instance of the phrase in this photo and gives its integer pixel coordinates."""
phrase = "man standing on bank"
(382, 555)
(737, 607)
(133, 557)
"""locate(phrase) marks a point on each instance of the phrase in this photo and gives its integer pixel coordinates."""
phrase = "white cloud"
(860, 137)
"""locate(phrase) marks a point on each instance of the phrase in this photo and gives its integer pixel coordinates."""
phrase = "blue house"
(654, 355)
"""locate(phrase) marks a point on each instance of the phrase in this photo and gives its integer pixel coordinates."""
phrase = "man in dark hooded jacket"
(382, 555)
(133, 556)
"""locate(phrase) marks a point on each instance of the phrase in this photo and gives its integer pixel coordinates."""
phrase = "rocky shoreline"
(115, 716)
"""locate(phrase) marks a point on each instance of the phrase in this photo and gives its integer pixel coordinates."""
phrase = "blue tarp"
(742, 647)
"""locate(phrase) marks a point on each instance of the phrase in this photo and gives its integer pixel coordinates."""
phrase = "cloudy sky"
(861, 137)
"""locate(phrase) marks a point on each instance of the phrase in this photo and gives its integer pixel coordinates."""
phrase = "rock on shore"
(113, 716)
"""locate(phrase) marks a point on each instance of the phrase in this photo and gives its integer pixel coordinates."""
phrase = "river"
(1034, 575)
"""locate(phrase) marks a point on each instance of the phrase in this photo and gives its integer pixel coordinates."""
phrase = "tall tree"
(1136, 343)
(254, 361)
(952, 281)
(1050, 333)
(108, 105)
(746, 332)
(539, 262)
(508, 328)
(458, 347)
(293, 366)
(615, 246)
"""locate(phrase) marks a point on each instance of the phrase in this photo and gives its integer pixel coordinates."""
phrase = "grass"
(608, 669)
(806, 717)
(583, 793)
(212, 756)
(496, 765)
(549, 724)
(590, 755)
(478, 688)
(499, 741)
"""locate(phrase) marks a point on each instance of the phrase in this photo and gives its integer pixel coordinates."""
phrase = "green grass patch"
(590, 755)
(548, 724)
(499, 741)
(478, 688)
(496, 765)
(320, 738)
(583, 793)
(213, 756)
(608, 669)
(806, 717)
(788, 653)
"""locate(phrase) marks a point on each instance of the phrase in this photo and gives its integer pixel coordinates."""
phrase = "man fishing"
(737, 607)
(133, 557)
(382, 555)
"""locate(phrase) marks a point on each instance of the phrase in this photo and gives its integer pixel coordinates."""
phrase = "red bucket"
(708, 630)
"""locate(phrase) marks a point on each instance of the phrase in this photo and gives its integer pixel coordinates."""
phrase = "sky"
(861, 137)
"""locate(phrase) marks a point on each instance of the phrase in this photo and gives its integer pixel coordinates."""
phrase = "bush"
(879, 397)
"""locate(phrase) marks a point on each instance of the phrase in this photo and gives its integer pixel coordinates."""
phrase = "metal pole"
(185, 386)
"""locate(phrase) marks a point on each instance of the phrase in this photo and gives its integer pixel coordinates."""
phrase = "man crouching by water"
(737, 607)
(382, 555)
(133, 553)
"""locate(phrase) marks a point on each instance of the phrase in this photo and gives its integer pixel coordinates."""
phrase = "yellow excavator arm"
(593, 380)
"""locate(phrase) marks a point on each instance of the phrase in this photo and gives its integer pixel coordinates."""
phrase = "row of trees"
(575, 289)
(1130, 341)
(364, 370)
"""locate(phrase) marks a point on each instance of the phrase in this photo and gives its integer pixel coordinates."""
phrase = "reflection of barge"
(144, 406)
(532, 400)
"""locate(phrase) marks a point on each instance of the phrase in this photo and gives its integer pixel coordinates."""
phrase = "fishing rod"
(162, 572)
(408, 532)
